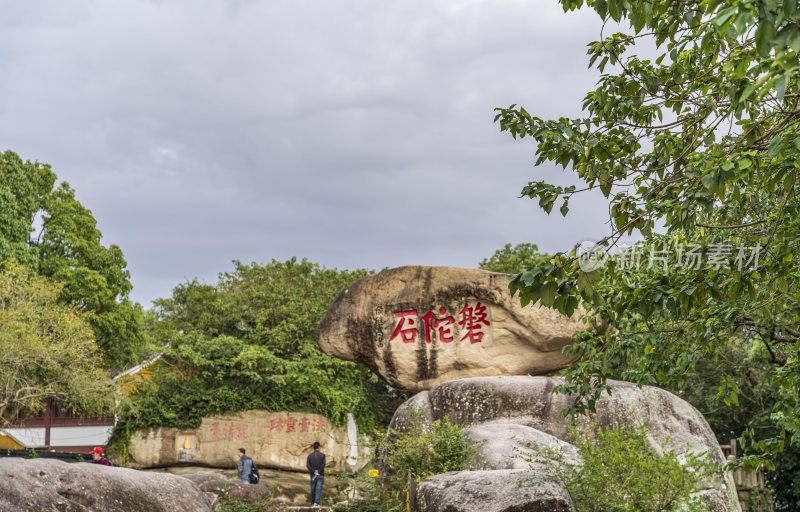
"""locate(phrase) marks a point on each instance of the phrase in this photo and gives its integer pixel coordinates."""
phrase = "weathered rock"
(279, 440)
(529, 401)
(512, 446)
(275, 486)
(48, 485)
(230, 488)
(411, 325)
(509, 490)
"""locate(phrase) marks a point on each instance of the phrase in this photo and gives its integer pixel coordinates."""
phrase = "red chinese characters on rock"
(228, 430)
(409, 334)
(471, 319)
(291, 423)
(232, 430)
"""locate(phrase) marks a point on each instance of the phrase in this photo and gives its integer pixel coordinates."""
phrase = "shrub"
(231, 505)
(416, 450)
(621, 472)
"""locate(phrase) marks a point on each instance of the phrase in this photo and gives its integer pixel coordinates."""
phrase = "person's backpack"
(254, 473)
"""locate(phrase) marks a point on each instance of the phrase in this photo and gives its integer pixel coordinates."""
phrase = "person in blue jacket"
(245, 466)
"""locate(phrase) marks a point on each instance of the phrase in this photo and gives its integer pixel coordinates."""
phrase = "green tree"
(745, 361)
(249, 342)
(702, 141)
(68, 249)
(748, 366)
(47, 349)
(512, 260)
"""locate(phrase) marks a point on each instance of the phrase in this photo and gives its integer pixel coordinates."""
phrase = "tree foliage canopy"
(249, 342)
(698, 151)
(68, 249)
(47, 350)
(509, 260)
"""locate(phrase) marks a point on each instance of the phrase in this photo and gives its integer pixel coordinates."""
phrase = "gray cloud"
(355, 133)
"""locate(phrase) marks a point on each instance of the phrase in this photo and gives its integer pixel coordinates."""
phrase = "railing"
(753, 493)
(411, 494)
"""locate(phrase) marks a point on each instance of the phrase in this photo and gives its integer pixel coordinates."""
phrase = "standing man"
(245, 467)
(316, 469)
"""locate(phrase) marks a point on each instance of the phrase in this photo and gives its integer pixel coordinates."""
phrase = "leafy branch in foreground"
(702, 141)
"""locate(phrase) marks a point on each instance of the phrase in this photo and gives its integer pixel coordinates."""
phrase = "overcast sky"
(355, 133)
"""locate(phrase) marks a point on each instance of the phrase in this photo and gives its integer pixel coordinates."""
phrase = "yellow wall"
(6, 443)
(127, 384)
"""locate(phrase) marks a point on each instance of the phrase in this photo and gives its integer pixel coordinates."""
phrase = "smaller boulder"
(512, 446)
(509, 490)
(53, 485)
(230, 488)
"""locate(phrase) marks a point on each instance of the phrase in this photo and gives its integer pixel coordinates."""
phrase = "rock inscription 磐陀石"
(420, 326)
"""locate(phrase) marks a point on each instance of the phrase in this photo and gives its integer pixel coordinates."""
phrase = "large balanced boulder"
(279, 440)
(47, 485)
(503, 411)
(420, 326)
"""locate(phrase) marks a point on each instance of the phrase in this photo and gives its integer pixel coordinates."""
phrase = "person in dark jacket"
(315, 462)
(245, 466)
(97, 456)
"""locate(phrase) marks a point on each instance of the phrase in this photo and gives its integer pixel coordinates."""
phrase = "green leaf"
(775, 146)
(765, 33)
(794, 40)
(788, 180)
(548, 292)
(709, 182)
(789, 8)
(742, 22)
(723, 16)
(780, 87)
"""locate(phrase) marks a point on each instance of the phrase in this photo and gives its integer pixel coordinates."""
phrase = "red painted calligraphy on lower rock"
(293, 424)
(214, 430)
(228, 430)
